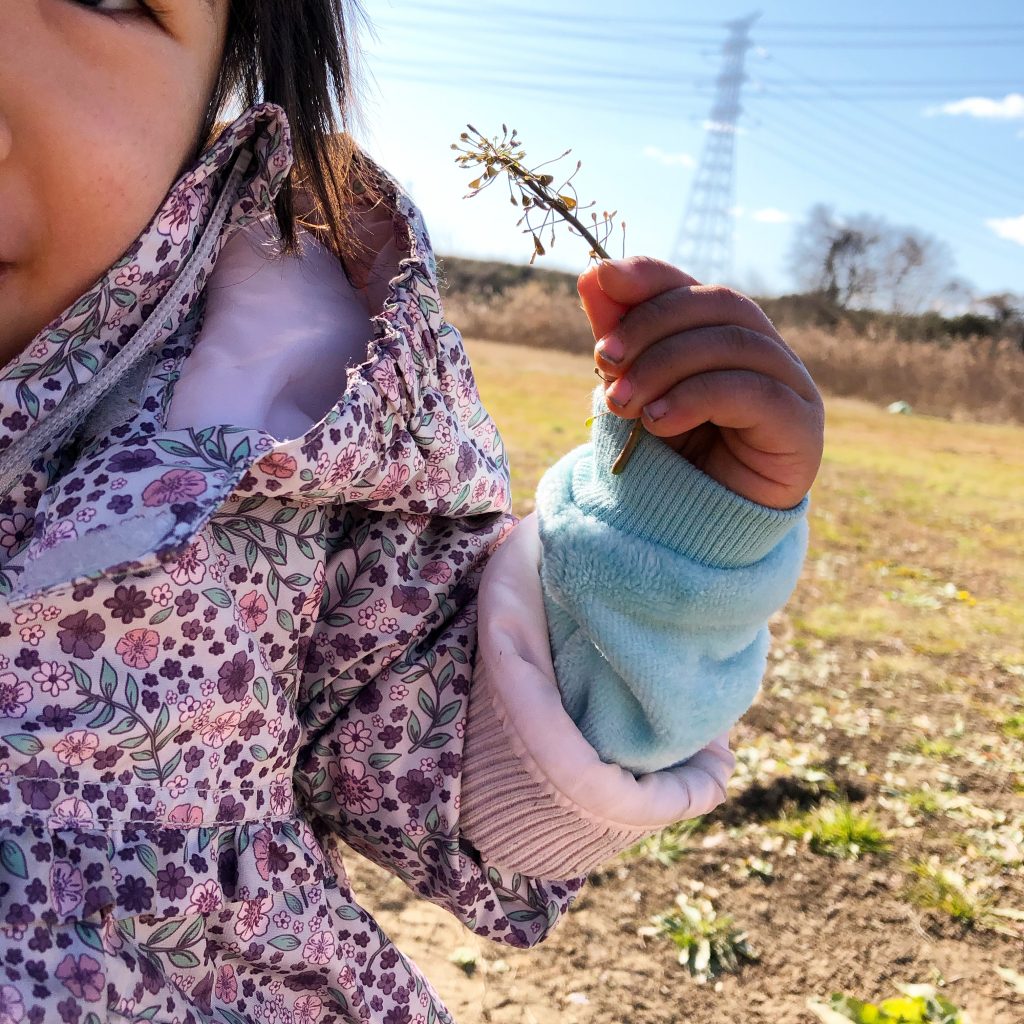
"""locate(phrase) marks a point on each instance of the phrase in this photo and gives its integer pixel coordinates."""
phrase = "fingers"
(736, 398)
(681, 309)
(701, 351)
(770, 439)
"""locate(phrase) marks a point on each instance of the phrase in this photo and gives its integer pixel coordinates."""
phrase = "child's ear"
(603, 312)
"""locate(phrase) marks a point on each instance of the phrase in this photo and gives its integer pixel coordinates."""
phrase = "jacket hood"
(408, 432)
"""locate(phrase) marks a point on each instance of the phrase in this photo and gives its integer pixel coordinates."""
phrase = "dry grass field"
(874, 834)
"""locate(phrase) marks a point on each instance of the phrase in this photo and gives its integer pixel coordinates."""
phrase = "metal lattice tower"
(704, 243)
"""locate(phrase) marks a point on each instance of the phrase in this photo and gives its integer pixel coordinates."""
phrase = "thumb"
(602, 311)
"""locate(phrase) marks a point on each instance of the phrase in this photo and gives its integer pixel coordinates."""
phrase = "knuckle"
(766, 388)
(705, 386)
(642, 262)
(740, 339)
(728, 302)
(637, 321)
(769, 388)
(720, 294)
(660, 307)
(656, 315)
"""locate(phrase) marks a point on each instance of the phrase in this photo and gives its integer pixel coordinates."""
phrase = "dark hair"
(299, 55)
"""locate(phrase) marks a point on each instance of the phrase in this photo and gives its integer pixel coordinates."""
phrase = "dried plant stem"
(633, 439)
(546, 201)
(627, 449)
(486, 152)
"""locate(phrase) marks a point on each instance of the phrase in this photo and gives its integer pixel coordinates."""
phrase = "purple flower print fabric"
(224, 654)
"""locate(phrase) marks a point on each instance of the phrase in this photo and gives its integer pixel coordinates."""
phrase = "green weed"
(941, 888)
(708, 944)
(836, 830)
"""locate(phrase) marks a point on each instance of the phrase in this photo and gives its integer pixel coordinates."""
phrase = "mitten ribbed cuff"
(661, 497)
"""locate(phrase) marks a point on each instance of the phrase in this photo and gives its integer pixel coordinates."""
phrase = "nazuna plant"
(536, 191)
(708, 944)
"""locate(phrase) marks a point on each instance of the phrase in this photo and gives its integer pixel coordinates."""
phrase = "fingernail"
(620, 392)
(656, 410)
(610, 347)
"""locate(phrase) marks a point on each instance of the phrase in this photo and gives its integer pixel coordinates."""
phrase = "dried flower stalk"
(536, 192)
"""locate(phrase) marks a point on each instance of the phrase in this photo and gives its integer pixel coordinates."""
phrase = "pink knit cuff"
(536, 796)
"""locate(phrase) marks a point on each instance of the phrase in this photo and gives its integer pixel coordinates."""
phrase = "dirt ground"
(820, 926)
(896, 680)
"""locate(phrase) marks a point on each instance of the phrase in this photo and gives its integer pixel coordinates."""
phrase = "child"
(253, 599)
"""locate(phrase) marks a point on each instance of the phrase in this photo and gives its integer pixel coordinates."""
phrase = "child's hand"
(709, 374)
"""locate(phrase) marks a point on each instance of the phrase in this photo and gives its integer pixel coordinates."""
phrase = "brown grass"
(976, 380)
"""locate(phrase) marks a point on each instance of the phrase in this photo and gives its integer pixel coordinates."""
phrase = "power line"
(576, 97)
(662, 86)
(588, 75)
(871, 97)
(903, 128)
(507, 33)
(589, 95)
(910, 189)
(900, 160)
(976, 244)
(953, 43)
(575, 84)
(666, 37)
(836, 169)
(662, 23)
(887, 29)
(945, 83)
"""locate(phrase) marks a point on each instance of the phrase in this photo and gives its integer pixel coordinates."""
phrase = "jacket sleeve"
(623, 630)
(385, 774)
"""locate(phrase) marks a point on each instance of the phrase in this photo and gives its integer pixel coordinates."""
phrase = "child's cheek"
(102, 135)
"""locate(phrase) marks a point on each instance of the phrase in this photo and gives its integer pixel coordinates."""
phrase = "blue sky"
(913, 111)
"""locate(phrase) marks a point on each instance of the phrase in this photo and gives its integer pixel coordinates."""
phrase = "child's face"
(100, 105)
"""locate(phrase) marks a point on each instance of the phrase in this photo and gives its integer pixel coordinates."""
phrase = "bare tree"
(957, 295)
(836, 257)
(916, 266)
(1007, 309)
(864, 260)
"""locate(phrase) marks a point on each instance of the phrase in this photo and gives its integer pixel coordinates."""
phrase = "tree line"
(863, 269)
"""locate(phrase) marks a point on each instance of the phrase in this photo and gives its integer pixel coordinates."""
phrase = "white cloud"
(1009, 108)
(669, 159)
(736, 211)
(769, 215)
(1008, 227)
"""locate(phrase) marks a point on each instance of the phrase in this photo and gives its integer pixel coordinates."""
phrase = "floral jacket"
(223, 654)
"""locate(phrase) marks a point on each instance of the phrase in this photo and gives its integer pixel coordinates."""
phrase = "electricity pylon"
(704, 243)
